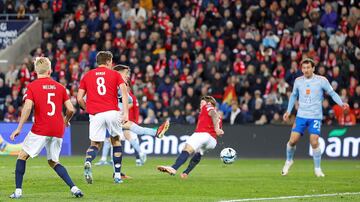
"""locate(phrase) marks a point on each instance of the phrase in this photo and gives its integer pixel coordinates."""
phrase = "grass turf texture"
(210, 181)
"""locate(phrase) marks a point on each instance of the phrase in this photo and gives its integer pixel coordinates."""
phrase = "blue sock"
(19, 172)
(105, 151)
(317, 157)
(137, 156)
(142, 130)
(135, 144)
(290, 152)
(193, 162)
(117, 158)
(61, 171)
(181, 159)
(91, 153)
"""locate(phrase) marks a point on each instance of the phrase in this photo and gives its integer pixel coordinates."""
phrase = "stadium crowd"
(245, 53)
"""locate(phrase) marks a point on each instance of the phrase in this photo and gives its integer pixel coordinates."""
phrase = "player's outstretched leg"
(90, 156)
(159, 133)
(62, 172)
(105, 151)
(192, 164)
(19, 174)
(314, 141)
(181, 159)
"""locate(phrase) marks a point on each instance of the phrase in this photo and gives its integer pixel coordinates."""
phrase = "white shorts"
(201, 142)
(33, 144)
(110, 120)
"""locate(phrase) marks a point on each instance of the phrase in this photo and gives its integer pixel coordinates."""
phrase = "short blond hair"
(42, 65)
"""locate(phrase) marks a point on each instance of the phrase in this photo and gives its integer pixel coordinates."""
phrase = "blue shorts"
(313, 125)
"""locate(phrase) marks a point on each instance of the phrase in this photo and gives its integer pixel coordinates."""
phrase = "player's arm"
(329, 90)
(125, 99)
(294, 95)
(80, 98)
(216, 121)
(70, 111)
(25, 113)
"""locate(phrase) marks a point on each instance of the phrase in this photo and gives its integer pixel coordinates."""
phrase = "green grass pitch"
(210, 181)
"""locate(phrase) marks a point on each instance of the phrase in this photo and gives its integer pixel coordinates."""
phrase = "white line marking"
(292, 197)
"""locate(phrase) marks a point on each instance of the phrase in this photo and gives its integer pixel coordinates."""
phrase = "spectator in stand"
(46, 15)
(347, 118)
(329, 19)
(11, 115)
(181, 50)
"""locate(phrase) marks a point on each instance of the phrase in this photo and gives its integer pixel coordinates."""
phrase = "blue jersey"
(130, 100)
(311, 94)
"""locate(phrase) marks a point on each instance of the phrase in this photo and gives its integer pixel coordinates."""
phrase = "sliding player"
(204, 138)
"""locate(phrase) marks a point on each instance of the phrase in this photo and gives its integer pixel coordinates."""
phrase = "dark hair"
(103, 56)
(210, 99)
(120, 67)
(308, 61)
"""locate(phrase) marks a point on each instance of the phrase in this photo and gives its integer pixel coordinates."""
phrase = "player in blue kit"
(309, 88)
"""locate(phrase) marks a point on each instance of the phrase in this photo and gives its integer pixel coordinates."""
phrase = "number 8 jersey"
(48, 97)
(101, 87)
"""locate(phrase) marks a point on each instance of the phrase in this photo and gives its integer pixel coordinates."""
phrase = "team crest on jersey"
(308, 91)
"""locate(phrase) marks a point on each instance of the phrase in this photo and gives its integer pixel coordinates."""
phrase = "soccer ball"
(228, 155)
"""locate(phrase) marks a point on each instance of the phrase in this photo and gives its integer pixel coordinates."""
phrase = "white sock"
(18, 191)
(117, 175)
(74, 189)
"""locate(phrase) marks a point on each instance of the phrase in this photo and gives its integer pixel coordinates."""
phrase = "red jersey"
(48, 97)
(134, 111)
(205, 123)
(101, 86)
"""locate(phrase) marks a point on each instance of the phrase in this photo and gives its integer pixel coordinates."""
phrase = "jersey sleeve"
(28, 94)
(325, 84)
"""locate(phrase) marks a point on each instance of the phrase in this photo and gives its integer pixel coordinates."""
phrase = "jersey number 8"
(100, 81)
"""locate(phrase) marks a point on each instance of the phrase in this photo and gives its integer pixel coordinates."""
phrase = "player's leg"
(180, 160)
(314, 130)
(296, 133)
(32, 146)
(290, 151)
(117, 158)
(134, 141)
(147, 131)
(19, 173)
(105, 152)
(97, 134)
(192, 164)
(53, 148)
(195, 160)
(193, 144)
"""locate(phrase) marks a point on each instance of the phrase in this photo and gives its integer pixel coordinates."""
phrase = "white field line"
(292, 197)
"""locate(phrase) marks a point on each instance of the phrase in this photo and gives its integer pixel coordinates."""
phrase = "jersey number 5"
(100, 81)
(51, 103)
